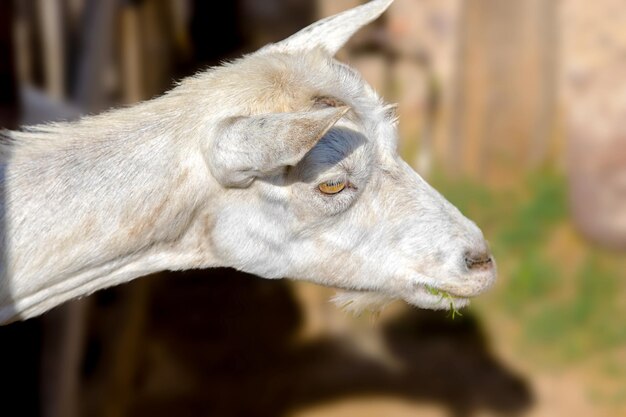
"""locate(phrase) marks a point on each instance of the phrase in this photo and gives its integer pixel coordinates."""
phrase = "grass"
(454, 312)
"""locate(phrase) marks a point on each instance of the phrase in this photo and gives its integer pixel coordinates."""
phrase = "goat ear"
(333, 32)
(256, 146)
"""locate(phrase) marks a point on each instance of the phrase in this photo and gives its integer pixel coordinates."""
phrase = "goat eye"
(332, 187)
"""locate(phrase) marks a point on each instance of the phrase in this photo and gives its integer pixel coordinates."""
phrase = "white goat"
(282, 164)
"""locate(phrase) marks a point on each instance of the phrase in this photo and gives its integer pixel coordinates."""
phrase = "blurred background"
(514, 110)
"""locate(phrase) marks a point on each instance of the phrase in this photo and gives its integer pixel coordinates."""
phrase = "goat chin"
(357, 302)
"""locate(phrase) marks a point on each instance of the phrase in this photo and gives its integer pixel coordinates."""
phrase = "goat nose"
(478, 260)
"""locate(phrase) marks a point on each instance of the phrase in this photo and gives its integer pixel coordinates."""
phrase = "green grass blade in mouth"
(445, 295)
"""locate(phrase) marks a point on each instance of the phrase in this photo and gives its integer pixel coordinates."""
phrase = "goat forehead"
(321, 74)
(291, 82)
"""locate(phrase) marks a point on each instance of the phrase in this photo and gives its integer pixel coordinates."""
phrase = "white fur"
(223, 171)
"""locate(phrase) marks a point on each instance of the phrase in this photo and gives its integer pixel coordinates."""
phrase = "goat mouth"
(444, 296)
(455, 291)
(434, 298)
(462, 287)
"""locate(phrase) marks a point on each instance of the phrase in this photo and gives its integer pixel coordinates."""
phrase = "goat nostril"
(478, 260)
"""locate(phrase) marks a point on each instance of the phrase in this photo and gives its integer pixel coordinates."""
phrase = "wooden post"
(19, 342)
(595, 96)
(505, 95)
(96, 53)
(62, 352)
(52, 41)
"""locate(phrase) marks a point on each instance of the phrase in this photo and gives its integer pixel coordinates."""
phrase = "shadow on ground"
(220, 343)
